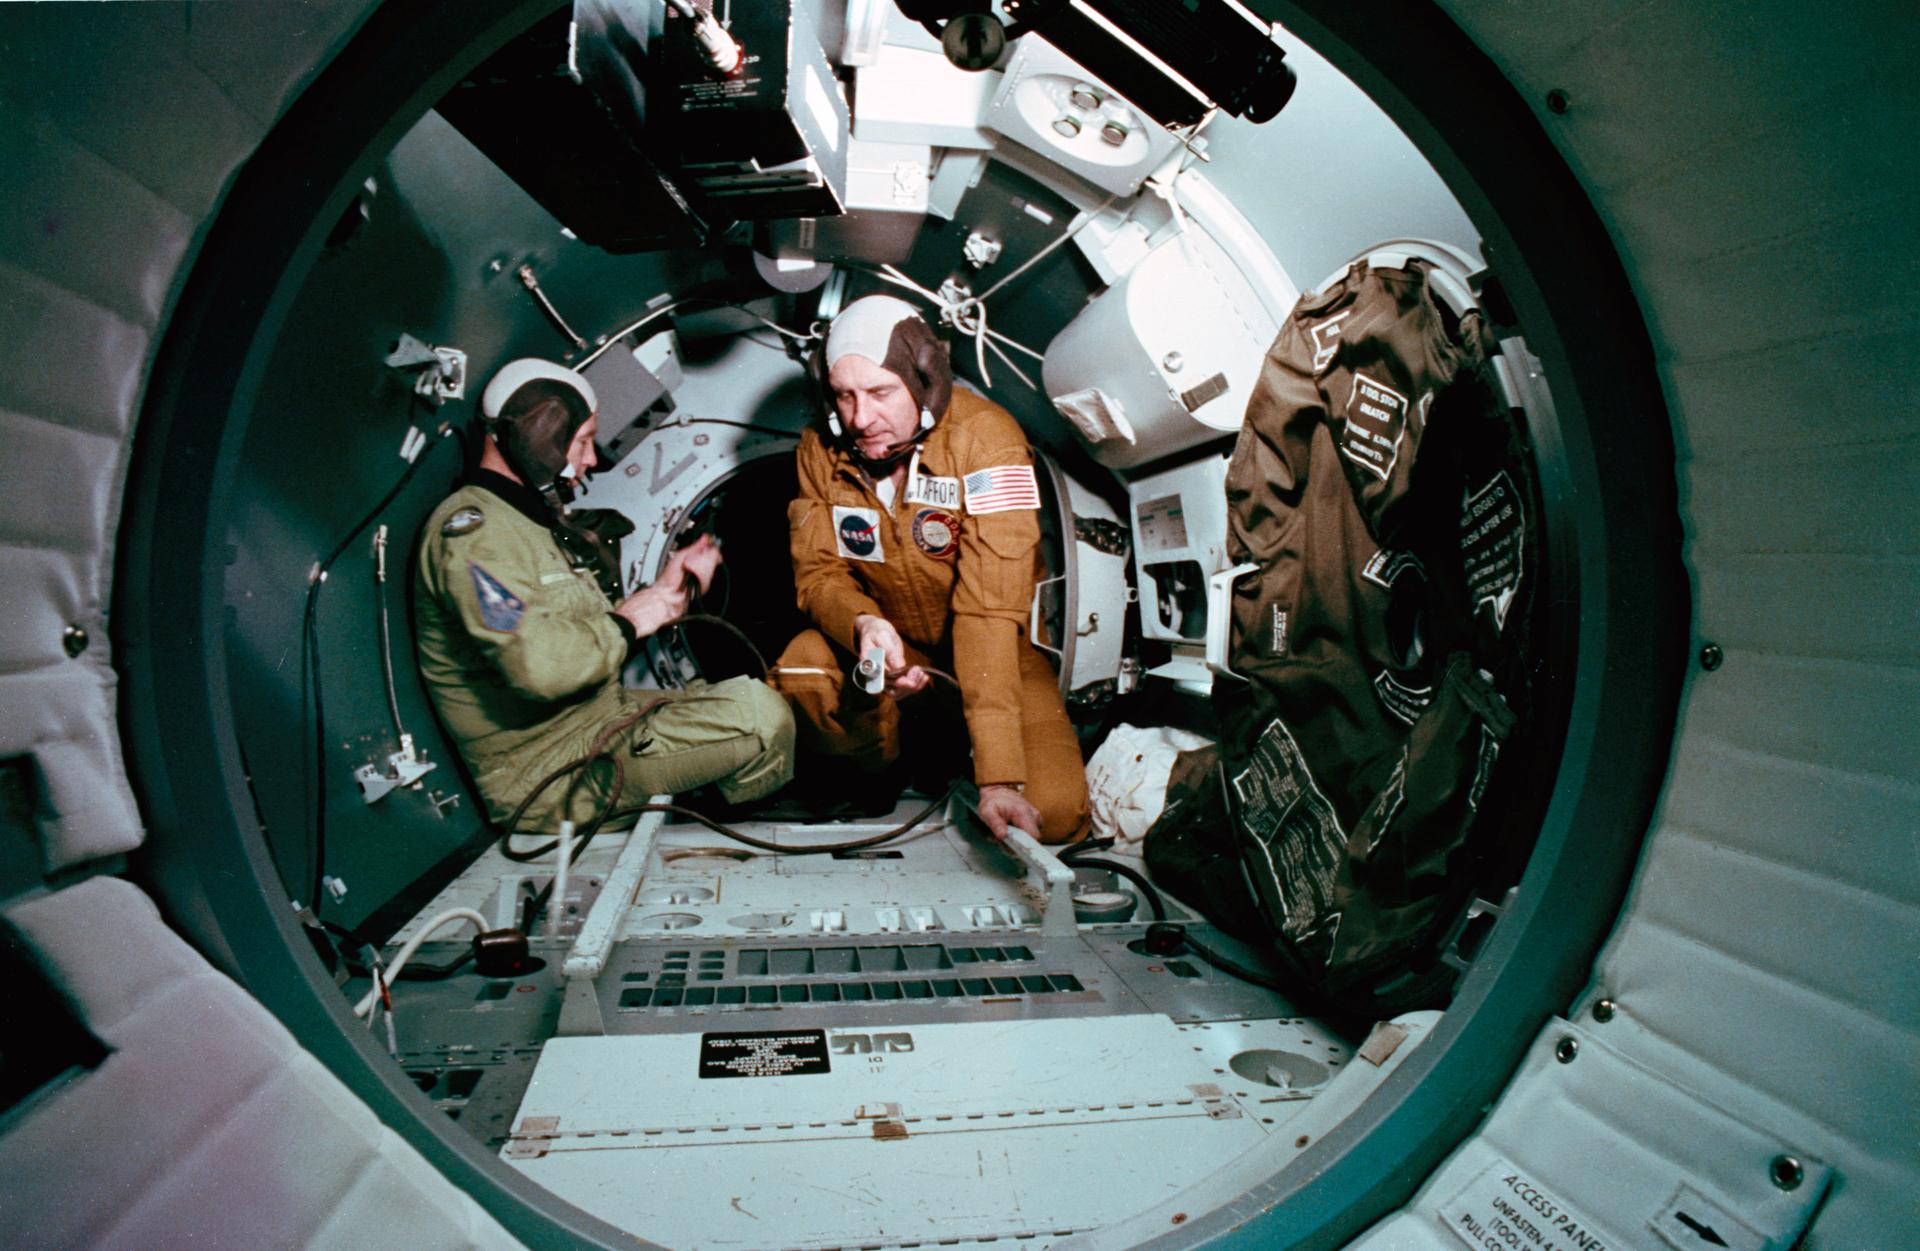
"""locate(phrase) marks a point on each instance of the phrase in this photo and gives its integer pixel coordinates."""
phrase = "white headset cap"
(515, 374)
(865, 328)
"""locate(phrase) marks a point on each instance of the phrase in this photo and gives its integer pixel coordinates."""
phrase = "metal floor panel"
(928, 1133)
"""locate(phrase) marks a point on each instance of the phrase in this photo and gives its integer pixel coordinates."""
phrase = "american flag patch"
(1001, 488)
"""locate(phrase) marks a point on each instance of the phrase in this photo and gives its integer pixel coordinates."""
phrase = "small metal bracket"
(981, 250)
(404, 768)
(442, 371)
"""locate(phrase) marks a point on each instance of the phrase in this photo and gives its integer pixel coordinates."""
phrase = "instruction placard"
(1376, 417)
(1162, 524)
(1493, 529)
(1283, 810)
(764, 1053)
(1505, 1210)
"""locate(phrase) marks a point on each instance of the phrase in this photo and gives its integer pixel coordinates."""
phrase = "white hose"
(413, 944)
(557, 903)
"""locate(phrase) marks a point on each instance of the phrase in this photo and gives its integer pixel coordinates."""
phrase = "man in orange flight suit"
(916, 533)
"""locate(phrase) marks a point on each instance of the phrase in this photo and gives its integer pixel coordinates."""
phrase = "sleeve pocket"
(1009, 535)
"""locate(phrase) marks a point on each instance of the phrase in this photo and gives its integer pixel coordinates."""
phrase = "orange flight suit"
(957, 584)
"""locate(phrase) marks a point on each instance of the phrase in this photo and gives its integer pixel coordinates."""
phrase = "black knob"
(1164, 938)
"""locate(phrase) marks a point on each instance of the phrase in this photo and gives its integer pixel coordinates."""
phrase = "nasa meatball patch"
(856, 533)
(500, 609)
(935, 532)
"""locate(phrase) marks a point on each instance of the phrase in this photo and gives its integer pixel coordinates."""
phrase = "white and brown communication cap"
(891, 334)
(533, 408)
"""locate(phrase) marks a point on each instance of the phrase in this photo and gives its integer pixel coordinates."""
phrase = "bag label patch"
(1384, 568)
(1279, 642)
(500, 609)
(856, 533)
(1295, 830)
(1378, 818)
(1492, 538)
(935, 492)
(1376, 420)
(1483, 767)
(1001, 488)
(1403, 701)
(1325, 336)
(936, 533)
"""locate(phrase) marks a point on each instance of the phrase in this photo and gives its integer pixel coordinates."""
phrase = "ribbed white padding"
(207, 1125)
(120, 128)
(1756, 167)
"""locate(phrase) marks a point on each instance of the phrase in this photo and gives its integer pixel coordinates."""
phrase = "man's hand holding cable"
(1003, 805)
(903, 679)
(651, 608)
(698, 560)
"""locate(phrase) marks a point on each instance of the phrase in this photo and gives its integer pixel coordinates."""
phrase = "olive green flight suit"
(522, 654)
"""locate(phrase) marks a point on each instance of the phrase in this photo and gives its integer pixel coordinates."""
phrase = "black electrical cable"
(1073, 861)
(756, 427)
(535, 903)
(1233, 967)
(1074, 857)
(414, 971)
(789, 849)
(310, 637)
(600, 820)
(712, 619)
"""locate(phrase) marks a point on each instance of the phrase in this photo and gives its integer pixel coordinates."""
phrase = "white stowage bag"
(1127, 779)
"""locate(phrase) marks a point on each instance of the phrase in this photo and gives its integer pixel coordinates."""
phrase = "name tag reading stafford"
(938, 492)
(764, 1053)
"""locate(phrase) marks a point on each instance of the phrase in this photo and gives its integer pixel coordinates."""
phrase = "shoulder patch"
(856, 533)
(1001, 488)
(500, 609)
(463, 521)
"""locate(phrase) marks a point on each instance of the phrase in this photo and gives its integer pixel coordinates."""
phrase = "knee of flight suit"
(1062, 801)
(809, 649)
(765, 715)
(833, 719)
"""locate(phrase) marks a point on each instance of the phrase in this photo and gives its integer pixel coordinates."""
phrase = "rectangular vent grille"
(677, 994)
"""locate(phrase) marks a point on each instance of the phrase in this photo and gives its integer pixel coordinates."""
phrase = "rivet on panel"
(1711, 657)
(1558, 101)
(1568, 1048)
(1603, 1010)
(1786, 1172)
(75, 639)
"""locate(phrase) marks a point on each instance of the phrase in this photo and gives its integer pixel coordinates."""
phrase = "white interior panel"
(206, 1124)
(1741, 157)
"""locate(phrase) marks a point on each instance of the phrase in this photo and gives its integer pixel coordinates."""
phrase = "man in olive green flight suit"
(522, 649)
